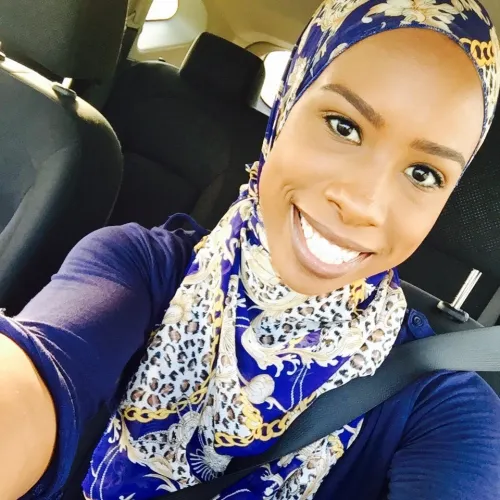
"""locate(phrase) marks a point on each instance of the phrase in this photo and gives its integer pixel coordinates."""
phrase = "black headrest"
(469, 227)
(218, 66)
(70, 38)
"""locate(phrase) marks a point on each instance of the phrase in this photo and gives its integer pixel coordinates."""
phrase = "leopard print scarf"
(238, 356)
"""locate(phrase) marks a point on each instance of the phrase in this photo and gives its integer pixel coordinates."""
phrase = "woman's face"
(368, 157)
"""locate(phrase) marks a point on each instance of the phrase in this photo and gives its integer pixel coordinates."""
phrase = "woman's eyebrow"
(436, 149)
(361, 105)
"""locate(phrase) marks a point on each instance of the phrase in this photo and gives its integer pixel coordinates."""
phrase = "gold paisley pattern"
(426, 12)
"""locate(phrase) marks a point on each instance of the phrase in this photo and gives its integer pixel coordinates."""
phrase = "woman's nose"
(362, 201)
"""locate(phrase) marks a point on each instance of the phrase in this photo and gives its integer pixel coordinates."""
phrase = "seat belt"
(128, 40)
(476, 350)
(97, 95)
(491, 312)
(137, 14)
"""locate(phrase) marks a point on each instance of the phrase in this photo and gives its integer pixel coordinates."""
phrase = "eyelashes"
(343, 128)
(425, 177)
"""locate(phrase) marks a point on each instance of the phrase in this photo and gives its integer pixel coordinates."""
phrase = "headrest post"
(67, 83)
(466, 289)
(454, 310)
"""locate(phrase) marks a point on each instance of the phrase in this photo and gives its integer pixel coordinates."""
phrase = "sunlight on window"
(275, 64)
(162, 10)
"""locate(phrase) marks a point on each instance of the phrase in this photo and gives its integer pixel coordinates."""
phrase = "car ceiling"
(261, 25)
(280, 21)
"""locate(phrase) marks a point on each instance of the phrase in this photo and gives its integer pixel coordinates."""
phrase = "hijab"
(239, 355)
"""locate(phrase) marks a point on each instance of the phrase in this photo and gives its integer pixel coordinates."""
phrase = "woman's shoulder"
(121, 240)
(157, 253)
(446, 402)
(452, 438)
(460, 403)
(461, 389)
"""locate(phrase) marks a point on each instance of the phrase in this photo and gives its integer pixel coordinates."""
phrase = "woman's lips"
(312, 262)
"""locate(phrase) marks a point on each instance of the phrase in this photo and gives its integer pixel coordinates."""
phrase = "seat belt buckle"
(455, 314)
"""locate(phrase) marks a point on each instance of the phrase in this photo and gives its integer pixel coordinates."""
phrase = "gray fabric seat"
(60, 161)
(187, 133)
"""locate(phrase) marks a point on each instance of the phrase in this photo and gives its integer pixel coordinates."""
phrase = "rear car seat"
(187, 133)
(60, 161)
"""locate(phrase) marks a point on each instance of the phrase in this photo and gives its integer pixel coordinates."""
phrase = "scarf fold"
(239, 355)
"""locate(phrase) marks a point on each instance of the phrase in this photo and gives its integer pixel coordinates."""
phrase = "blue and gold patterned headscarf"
(239, 354)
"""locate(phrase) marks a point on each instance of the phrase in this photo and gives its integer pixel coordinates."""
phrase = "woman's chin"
(300, 280)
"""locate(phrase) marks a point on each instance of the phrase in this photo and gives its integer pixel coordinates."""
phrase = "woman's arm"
(27, 422)
(63, 356)
(450, 449)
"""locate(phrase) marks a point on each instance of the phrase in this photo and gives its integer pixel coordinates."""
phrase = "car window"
(275, 63)
(162, 10)
(171, 23)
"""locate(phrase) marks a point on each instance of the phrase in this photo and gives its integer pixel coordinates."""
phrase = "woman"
(383, 106)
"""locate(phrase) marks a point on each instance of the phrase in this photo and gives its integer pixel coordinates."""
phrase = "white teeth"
(322, 249)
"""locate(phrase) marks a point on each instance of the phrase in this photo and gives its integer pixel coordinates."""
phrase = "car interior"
(131, 111)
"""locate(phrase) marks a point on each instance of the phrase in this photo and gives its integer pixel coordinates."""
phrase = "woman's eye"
(344, 129)
(425, 177)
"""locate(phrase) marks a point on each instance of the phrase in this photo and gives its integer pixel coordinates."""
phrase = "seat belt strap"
(128, 41)
(98, 95)
(491, 312)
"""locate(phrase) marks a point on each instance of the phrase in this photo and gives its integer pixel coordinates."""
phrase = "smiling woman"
(293, 294)
(296, 285)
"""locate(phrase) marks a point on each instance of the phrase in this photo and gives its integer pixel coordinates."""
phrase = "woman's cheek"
(407, 232)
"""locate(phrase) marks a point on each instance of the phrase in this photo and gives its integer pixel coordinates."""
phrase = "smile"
(322, 252)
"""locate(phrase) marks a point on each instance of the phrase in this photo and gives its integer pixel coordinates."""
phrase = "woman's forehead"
(417, 60)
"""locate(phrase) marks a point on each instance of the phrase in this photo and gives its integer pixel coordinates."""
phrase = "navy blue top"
(437, 439)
